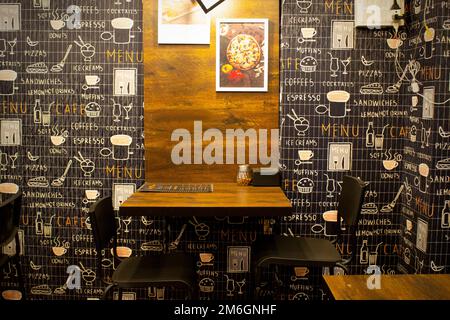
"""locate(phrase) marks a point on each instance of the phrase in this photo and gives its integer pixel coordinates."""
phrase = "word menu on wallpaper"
(71, 130)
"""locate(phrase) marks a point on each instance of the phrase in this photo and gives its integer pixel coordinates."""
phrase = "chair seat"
(3, 259)
(296, 252)
(168, 269)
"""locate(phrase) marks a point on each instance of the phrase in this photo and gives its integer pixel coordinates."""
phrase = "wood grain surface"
(180, 89)
(393, 287)
(228, 199)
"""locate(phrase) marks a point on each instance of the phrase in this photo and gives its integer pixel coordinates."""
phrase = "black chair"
(176, 270)
(10, 210)
(303, 251)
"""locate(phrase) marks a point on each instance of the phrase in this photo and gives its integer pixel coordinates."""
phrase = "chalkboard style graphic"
(201, 229)
(10, 132)
(422, 235)
(44, 4)
(340, 156)
(337, 107)
(182, 22)
(125, 81)
(60, 66)
(121, 192)
(423, 180)
(428, 103)
(122, 31)
(10, 17)
(342, 34)
(301, 124)
(307, 35)
(242, 54)
(86, 49)
(304, 5)
(428, 48)
(304, 157)
(7, 82)
(86, 165)
(120, 148)
(238, 259)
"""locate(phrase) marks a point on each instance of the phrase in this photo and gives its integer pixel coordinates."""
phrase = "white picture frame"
(173, 30)
(221, 85)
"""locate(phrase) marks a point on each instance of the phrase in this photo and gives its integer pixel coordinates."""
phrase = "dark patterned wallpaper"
(425, 207)
(72, 131)
(337, 118)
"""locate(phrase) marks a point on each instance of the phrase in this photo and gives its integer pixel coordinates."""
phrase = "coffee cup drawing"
(330, 217)
(122, 31)
(427, 49)
(57, 24)
(59, 251)
(422, 181)
(304, 156)
(92, 195)
(308, 33)
(390, 164)
(92, 80)
(120, 148)
(7, 82)
(337, 107)
(301, 271)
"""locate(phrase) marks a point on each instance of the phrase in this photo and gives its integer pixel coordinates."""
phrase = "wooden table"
(227, 199)
(393, 287)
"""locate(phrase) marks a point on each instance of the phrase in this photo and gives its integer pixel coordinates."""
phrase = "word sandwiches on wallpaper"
(71, 119)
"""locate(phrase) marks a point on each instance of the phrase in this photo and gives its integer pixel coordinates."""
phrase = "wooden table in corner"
(393, 287)
(227, 199)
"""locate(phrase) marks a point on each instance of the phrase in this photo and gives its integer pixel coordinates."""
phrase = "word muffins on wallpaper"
(71, 130)
(364, 102)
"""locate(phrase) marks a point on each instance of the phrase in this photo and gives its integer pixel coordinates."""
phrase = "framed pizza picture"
(242, 59)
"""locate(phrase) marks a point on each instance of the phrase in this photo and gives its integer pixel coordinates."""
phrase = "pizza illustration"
(244, 52)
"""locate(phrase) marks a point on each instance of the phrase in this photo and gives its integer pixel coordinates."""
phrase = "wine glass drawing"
(13, 159)
(230, 286)
(345, 63)
(428, 133)
(334, 65)
(117, 110)
(127, 109)
(126, 222)
(335, 161)
(7, 271)
(3, 161)
(331, 186)
(12, 44)
(240, 285)
(339, 39)
(2, 47)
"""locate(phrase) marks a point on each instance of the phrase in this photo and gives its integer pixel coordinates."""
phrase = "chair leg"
(119, 295)
(108, 288)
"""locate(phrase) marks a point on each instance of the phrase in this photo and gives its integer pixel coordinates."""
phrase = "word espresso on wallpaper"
(68, 115)
(213, 153)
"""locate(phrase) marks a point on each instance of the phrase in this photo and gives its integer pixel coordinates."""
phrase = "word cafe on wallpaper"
(206, 130)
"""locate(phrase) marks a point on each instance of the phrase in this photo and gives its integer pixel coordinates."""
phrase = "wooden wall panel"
(180, 89)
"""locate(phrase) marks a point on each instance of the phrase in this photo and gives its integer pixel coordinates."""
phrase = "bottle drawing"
(370, 134)
(364, 253)
(37, 113)
(39, 224)
(445, 215)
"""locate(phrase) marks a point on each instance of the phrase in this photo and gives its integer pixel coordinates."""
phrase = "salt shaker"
(244, 176)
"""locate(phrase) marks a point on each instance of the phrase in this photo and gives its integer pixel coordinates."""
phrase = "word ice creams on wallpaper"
(242, 54)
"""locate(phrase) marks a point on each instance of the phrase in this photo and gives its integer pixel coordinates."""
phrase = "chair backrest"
(351, 200)
(103, 223)
(10, 217)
